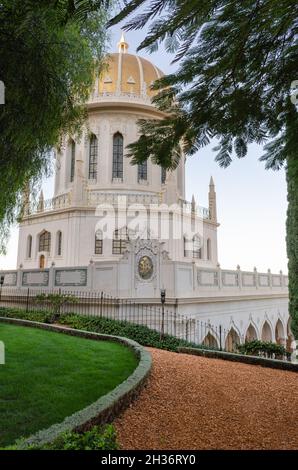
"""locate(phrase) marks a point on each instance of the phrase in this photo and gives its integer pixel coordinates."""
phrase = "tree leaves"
(47, 64)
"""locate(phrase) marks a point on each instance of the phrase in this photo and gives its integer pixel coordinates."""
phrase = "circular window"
(145, 267)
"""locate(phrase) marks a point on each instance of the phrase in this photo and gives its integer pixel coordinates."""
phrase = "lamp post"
(163, 300)
(1, 284)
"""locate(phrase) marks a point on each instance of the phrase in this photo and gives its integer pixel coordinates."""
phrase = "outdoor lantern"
(163, 295)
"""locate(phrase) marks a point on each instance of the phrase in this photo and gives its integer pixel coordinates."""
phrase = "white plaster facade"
(195, 283)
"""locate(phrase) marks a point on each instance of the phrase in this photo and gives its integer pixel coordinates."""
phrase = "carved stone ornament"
(145, 267)
(146, 252)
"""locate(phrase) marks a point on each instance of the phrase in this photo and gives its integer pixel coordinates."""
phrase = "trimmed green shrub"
(98, 438)
(54, 302)
(139, 333)
(262, 348)
(13, 312)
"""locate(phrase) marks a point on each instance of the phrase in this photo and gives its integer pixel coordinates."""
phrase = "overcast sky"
(251, 201)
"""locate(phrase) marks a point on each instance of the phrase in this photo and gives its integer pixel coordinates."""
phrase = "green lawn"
(48, 376)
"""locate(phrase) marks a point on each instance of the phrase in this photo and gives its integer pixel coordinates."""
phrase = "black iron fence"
(98, 304)
(155, 316)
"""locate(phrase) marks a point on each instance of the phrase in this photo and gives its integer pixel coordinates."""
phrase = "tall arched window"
(29, 246)
(142, 171)
(93, 154)
(98, 243)
(118, 156)
(187, 247)
(72, 159)
(59, 243)
(197, 248)
(120, 240)
(44, 241)
(208, 249)
(163, 175)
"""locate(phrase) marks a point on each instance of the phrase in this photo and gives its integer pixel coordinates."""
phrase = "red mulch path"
(192, 402)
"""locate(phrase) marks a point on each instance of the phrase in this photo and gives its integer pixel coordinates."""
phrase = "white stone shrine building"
(128, 230)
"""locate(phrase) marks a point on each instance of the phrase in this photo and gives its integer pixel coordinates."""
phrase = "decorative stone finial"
(122, 44)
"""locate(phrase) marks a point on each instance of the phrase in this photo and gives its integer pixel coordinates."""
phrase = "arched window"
(59, 243)
(93, 154)
(187, 247)
(29, 246)
(142, 171)
(117, 156)
(98, 243)
(209, 249)
(72, 159)
(120, 241)
(163, 175)
(44, 241)
(197, 248)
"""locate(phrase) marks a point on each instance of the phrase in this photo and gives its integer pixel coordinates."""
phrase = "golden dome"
(128, 74)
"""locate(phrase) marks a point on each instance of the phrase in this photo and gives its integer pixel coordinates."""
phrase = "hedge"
(139, 333)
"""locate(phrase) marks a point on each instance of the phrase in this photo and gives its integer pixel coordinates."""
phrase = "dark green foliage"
(49, 52)
(42, 317)
(262, 348)
(98, 438)
(54, 302)
(292, 237)
(139, 333)
(237, 63)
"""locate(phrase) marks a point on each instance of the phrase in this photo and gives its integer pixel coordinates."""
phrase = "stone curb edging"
(107, 407)
(258, 361)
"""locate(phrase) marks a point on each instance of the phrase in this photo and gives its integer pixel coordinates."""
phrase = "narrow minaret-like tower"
(212, 201)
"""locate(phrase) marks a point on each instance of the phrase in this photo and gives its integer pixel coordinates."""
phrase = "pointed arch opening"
(210, 341)
(232, 340)
(280, 336)
(266, 332)
(251, 334)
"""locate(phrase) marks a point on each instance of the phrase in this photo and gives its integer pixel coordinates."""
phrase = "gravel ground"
(193, 402)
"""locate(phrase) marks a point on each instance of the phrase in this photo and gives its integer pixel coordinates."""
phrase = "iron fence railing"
(156, 317)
